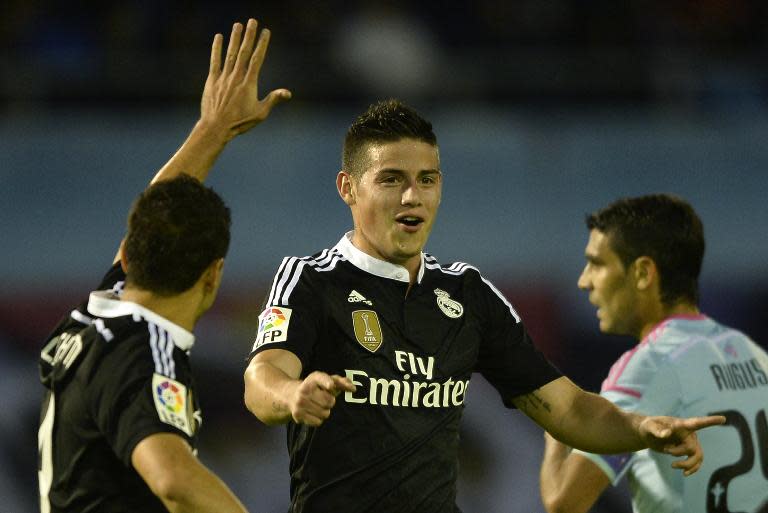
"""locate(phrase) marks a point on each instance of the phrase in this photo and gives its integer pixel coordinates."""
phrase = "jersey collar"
(104, 303)
(660, 327)
(373, 265)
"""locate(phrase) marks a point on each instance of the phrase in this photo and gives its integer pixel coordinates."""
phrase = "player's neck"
(665, 312)
(411, 264)
(180, 309)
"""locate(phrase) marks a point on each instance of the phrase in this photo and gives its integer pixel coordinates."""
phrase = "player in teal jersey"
(643, 260)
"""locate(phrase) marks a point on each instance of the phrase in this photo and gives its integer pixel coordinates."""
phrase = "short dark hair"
(176, 229)
(386, 121)
(666, 229)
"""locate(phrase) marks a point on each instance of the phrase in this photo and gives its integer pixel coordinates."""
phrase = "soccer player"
(120, 416)
(366, 349)
(643, 260)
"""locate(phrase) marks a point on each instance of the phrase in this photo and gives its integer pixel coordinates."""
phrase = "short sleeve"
(636, 384)
(630, 378)
(613, 465)
(292, 314)
(508, 358)
(130, 401)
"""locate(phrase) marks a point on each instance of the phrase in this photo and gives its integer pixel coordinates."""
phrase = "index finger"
(343, 383)
(321, 380)
(697, 423)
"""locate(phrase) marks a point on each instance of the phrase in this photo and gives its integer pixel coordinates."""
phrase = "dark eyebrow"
(592, 258)
(395, 171)
(400, 171)
(391, 170)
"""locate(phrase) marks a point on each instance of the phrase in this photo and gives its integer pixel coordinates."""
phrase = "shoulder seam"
(455, 268)
(459, 268)
(290, 270)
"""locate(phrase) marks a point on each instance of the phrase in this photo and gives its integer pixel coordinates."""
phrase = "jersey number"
(45, 454)
(717, 489)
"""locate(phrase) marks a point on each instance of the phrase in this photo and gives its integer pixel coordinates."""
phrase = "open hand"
(677, 437)
(231, 98)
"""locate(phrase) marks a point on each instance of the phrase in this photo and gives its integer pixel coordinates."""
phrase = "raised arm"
(230, 104)
(275, 393)
(592, 423)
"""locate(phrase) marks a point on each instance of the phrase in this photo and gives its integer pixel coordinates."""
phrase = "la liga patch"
(173, 403)
(273, 326)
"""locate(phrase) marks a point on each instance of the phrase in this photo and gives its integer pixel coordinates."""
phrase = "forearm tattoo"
(533, 403)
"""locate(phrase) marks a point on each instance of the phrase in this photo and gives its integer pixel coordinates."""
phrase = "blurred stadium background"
(544, 110)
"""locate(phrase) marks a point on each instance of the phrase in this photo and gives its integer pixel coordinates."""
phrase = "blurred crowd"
(705, 57)
(686, 52)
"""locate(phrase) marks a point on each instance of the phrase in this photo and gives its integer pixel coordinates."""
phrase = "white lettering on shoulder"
(68, 349)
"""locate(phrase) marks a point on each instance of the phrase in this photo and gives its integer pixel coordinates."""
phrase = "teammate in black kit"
(366, 350)
(120, 416)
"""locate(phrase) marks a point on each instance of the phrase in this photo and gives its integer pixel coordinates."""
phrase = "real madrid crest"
(450, 307)
(367, 329)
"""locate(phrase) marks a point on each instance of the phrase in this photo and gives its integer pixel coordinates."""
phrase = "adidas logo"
(356, 297)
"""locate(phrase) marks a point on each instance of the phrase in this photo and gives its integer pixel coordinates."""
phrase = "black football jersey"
(114, 373)
(392, 445)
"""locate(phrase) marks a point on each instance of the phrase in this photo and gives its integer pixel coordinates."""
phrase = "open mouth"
(410, 220)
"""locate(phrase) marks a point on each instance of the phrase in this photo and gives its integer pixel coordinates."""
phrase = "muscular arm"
(592, 423)
(269, 382)
(568, 482)
(275, 394)
(230, 104)
(582, 419)
(184, 485)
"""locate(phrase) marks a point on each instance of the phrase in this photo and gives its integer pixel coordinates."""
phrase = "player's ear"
(208, 286)
(121, 256)
(215, 273)
(645, 272)
(345, 187)
(212, 276)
